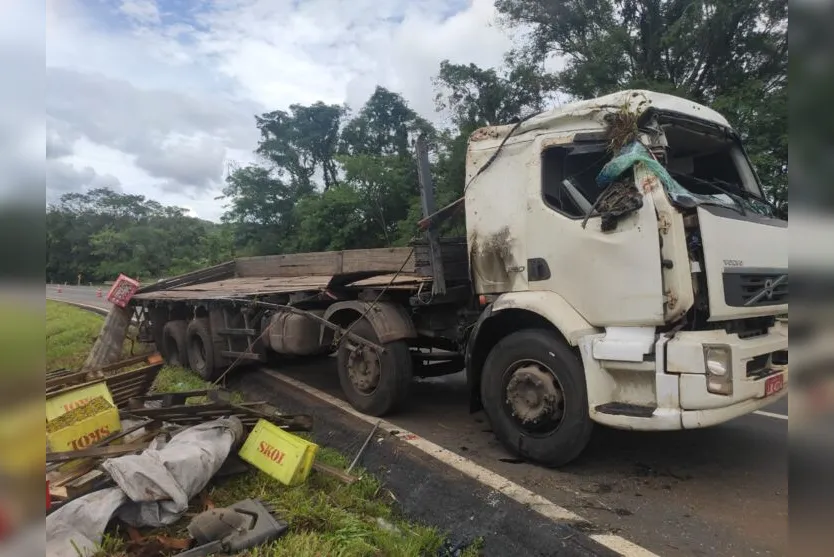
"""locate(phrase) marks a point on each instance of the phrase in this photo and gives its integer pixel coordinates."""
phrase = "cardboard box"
(284, 456)
(86, 431)
(59, 405)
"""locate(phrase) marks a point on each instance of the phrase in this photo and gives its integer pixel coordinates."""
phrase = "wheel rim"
(364, 368)
(533, 397)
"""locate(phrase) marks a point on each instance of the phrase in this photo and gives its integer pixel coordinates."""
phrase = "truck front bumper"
(751, 370)
(672, 392)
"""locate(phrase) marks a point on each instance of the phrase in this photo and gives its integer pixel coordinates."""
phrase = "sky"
(158, 97)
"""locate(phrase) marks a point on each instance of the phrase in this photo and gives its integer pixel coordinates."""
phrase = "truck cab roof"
(588, 116)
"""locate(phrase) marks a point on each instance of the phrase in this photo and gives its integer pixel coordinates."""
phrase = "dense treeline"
(100, 234)
(331, 178)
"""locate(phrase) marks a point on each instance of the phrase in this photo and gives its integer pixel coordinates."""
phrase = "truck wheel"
(534, 394)
(375, 384)
(173, 343)
(200, 349)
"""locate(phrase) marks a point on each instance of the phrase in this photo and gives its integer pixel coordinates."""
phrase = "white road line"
(771, 415)
(499, 483)
(621, 545)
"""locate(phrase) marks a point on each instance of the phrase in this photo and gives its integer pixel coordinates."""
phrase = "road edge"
(556, 514)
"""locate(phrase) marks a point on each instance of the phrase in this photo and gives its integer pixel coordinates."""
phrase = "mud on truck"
(621, 266)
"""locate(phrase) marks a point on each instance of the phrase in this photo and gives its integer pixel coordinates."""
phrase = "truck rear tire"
(375, 384)
(200, 349)
(535, 397)
(173, 343)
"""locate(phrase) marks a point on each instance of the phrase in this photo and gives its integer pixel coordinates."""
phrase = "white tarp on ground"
(153, 488)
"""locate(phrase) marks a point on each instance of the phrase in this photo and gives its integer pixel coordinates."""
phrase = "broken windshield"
(710, 167)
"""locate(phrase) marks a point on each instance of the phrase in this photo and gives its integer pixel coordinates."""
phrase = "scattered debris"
(618, 200)
(362, 448)
(622, 128)
(233, 529)
(174, 408)
(152, 489)
(335, 472)
(122, 384)
(387, 526)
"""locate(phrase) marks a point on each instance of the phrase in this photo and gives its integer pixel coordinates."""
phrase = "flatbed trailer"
(247, 308)
(628, 280)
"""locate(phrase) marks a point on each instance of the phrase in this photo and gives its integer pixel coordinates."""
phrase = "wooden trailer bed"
(237, 287)
(408, 268)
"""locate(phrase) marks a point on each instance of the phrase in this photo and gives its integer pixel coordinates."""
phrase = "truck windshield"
(711, 168)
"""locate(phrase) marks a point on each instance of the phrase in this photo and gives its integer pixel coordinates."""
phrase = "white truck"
(621, 266)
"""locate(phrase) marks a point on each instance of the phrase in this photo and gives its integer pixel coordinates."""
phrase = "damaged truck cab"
(631, 270)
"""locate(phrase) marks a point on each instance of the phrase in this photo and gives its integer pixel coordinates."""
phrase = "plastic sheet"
(153, 488)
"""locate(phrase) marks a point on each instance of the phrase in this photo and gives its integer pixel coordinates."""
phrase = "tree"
(101, 233)
(261, 207)
(729, 54)
(384, 126)
(477, 97)
(302, 141)
(379, 164)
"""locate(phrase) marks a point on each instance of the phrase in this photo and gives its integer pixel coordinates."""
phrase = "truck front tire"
(374, 383)
(535, 396)
(173, 343)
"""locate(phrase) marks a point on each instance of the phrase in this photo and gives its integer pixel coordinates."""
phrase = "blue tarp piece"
(630, 155)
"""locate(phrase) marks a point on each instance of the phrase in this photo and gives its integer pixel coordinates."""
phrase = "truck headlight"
(719, 365)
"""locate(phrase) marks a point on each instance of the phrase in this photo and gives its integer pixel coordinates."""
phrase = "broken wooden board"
(108, 346)
(174, 408)
(59, 379)
(122, 386)
(96, 452)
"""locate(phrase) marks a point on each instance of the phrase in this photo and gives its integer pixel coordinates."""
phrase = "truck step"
(623, 409)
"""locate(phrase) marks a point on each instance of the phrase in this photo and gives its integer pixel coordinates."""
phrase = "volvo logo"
(767, 291)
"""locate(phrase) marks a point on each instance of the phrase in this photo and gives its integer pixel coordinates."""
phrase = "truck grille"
(755, 288)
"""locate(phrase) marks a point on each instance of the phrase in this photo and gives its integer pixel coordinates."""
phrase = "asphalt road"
(717, 491)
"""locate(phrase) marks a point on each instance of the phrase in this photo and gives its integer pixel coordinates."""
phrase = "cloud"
(163, 93)
(188, 161)
(142, 11)
(172, 136)
(63, 177)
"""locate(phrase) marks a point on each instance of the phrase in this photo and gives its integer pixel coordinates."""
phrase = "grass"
(70, 333)
(325, 517)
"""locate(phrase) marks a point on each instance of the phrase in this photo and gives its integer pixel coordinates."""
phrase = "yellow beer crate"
(83, 428)
(284, 456)
(68, 400)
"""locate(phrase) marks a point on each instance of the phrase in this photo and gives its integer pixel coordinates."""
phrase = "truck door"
(612, 277)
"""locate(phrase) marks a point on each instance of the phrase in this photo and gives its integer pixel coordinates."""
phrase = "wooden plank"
(96, 452)
(216, 272)
(323, 263)
(85, 483)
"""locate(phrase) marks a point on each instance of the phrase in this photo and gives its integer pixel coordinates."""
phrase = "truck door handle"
(537, 269)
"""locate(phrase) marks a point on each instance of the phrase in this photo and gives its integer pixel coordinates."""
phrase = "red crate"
(122, 291)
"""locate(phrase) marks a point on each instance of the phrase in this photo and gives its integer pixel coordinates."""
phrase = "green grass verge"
(326, 517)
(70, 333)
